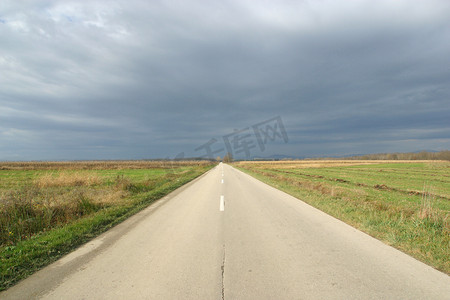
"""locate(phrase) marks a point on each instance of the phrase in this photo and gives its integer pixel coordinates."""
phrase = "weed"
(426, 209)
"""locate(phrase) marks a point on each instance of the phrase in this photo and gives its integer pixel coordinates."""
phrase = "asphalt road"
(226, 235)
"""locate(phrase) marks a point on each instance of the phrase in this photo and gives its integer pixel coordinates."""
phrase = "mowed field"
(49, 208)
(405, 204)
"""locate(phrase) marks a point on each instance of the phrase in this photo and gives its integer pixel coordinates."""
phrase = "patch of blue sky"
(69, 18)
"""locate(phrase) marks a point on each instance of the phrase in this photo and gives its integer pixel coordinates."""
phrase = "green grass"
(42, 223)
(406, 205)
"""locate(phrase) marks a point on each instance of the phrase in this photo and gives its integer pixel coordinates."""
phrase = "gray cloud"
(144, 79)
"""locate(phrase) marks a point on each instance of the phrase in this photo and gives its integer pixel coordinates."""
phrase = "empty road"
(226, 235)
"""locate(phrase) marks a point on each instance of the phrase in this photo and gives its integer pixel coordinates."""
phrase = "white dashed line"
(222, 203)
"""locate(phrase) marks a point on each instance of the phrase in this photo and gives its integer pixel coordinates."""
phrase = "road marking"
(222, 180)
(222, 203)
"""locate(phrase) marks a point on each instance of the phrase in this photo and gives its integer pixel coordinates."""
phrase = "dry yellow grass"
(67, 179)
(304, 164)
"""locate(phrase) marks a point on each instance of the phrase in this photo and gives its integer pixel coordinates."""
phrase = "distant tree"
(423, 155)
(218, 158)
(228, 158)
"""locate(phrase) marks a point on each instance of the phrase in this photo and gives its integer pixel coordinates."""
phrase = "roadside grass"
(44, 214)
(405, 205)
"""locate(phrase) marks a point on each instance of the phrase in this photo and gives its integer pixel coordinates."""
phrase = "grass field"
(406, 204)
(49, 208)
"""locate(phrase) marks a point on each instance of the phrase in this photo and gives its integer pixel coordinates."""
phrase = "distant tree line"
(423, 155)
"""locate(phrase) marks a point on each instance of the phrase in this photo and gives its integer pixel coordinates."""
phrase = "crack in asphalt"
(223, 273)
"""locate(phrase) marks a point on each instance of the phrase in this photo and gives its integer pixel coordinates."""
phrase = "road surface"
(227, 235)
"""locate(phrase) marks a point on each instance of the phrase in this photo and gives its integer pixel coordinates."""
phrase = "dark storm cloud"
(138, 79)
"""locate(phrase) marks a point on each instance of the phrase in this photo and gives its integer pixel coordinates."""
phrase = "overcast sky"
(154, 79)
